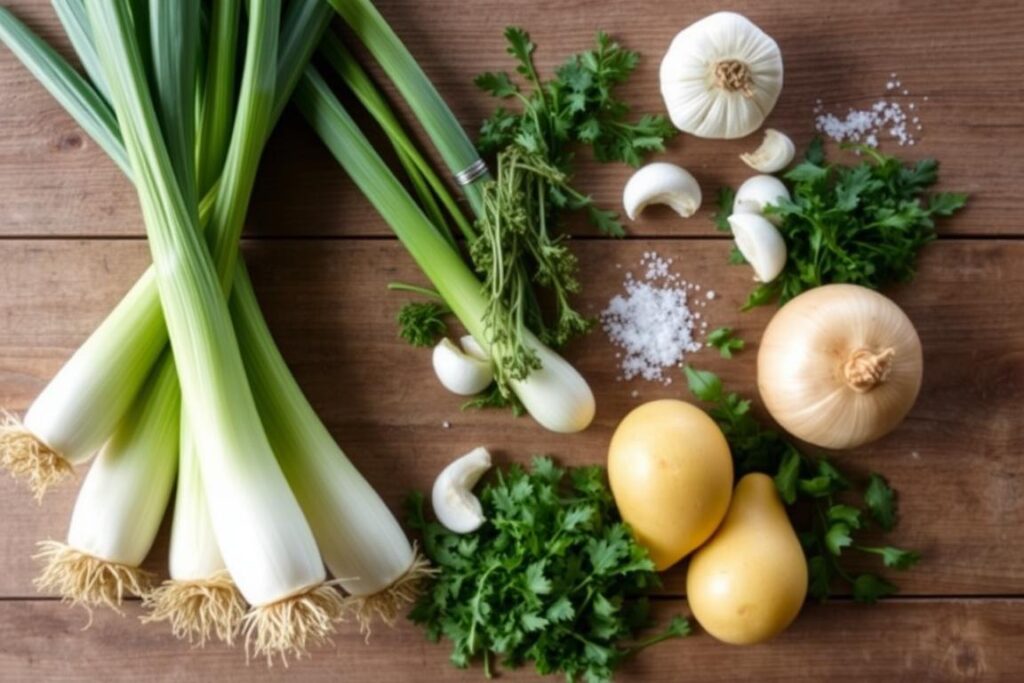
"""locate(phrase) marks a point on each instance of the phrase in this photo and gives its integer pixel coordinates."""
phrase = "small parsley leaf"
(421, 323)
(724, 340)
(879, 499)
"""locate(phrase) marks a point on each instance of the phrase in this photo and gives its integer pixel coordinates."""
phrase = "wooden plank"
(954, 461)
(923, 640)
(963, 57)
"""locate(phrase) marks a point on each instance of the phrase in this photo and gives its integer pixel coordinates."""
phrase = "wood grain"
(954, 460)
(69, 248)
(965, 57)
(935, 640)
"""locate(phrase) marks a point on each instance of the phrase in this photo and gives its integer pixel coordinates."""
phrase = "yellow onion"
(839, 366)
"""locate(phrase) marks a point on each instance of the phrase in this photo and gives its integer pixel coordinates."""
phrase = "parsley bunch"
(518, 245)
(834, 524)
(553, 577)
(861, 224)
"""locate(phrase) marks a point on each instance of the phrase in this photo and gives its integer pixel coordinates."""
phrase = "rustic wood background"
(71, 243)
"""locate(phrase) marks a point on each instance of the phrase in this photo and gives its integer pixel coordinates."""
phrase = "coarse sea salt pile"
(886, 116)
(655, 323)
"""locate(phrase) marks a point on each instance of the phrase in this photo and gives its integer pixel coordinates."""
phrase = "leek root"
(82, 579)
(198, 609)
(24, 455)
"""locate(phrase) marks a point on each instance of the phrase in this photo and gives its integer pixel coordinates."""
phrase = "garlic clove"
(556, 395)
(758, 192)
(472, 347)
(460, 372)
(721, 77)
(761, 244)
(452, 496)
(775, 153)
(662, 183)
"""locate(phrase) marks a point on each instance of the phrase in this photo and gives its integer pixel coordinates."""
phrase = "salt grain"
(885, 116)
(651, 322)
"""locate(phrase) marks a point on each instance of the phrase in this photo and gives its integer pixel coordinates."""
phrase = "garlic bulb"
(721, 77)
(758, 192)
(775, 153)
(661, 183)
(839, 366)
(761, 244)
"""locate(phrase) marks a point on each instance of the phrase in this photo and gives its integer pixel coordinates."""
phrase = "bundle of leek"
(237, 495)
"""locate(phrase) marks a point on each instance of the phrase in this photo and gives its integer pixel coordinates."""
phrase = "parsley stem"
(665, 634)
(403, 287)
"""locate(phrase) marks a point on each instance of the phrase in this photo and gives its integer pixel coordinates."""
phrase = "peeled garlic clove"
(452, 496)
(460, 372)
(775, 153)
(472, 347)
(662, 183)
(556, 395)
(761, 244)
(721, 77)
(758, 192)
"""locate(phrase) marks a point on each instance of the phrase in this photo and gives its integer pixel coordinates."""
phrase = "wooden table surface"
(71, 242)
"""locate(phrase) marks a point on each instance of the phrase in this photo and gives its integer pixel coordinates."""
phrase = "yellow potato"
(671, 473)
(748, 582)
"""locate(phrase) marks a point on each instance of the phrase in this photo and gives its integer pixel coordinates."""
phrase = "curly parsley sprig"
(834, 524)
(519, 249)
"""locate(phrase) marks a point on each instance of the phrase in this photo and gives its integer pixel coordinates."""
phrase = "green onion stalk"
(359, 538)
(550, 389)
(555, 394)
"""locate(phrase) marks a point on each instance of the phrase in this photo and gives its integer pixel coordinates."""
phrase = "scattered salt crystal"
(864, 125)
(634, 393)
(711, 294)
(651, 322)
(446, 424)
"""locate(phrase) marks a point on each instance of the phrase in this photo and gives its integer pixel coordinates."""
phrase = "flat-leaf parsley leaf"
(553, 577)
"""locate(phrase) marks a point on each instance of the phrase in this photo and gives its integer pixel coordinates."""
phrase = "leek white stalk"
(555, 395)
(200, 600)
(360, 540)
(260, 529)
(121, 503)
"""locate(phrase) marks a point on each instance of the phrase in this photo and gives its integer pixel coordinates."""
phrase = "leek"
(200, 600)
(261, 532)
(121, 503)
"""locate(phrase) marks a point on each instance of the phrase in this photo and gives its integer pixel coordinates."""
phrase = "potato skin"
(671, 472)
(748, 582)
